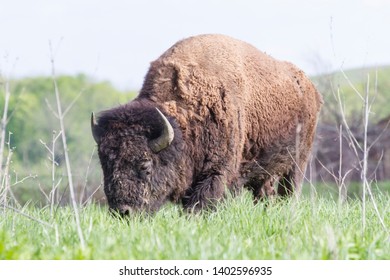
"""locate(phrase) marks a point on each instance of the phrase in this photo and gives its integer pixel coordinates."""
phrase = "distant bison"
(213, 113)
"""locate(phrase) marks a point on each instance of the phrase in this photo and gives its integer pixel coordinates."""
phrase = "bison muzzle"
(214, 113)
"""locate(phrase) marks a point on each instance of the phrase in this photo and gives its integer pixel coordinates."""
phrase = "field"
(312, 227)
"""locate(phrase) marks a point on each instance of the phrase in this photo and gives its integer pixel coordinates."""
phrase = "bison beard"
(213, 113)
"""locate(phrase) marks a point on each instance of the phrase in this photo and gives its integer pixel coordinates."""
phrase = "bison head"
(131, 144)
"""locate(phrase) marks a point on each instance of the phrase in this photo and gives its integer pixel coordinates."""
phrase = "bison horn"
(96, 129)
(165, 139)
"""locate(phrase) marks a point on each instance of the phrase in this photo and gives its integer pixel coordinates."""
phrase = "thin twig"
(92, 194)
(351, 85)
(350, 134)
(366, 108)
(3, 124)
(44, 193)
(21, 181)
(384, 130)
(86, 176)
(27, 216)
(72, 103)
(51, 109)
(67, 160)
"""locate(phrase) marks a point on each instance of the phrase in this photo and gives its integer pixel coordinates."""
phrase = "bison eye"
(145, 168)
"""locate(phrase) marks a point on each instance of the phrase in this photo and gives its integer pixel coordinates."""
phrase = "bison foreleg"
(262, 189)
(290, 183)
(285, 187)
(204, 193)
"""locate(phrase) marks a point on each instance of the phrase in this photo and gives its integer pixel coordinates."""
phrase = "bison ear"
(166, 137)
(97, 131)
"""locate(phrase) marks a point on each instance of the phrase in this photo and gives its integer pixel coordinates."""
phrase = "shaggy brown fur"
(241, 118)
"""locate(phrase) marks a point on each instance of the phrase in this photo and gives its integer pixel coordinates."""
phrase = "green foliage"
(33, 102)
(375, 81)
(316, 228)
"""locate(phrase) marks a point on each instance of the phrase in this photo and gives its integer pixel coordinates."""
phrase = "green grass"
(316, 228)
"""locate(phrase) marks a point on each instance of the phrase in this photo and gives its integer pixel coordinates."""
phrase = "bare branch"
(350, 134)
(92, 194)
(3, 123)
(44, 193)
(65, 147)
(17, 182)
(384, 131)
(27, 216)
(51, 109)
(351, 84)
(86, 175)
(73, 102)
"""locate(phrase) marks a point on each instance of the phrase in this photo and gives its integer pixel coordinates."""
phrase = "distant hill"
(350, 82)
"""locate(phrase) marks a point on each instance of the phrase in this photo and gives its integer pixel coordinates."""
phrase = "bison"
(214, 113)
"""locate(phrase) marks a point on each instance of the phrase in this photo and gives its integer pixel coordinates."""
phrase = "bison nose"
(123, 210)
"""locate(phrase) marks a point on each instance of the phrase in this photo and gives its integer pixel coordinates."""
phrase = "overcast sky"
(116, 40)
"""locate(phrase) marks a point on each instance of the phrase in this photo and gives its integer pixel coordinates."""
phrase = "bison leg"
(290, 182)
(262, 189)
(285, 186)
(204, 193)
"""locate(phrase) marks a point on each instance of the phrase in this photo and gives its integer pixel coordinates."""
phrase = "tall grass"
(238, 230)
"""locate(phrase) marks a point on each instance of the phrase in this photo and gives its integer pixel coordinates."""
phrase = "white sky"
(116, 40)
